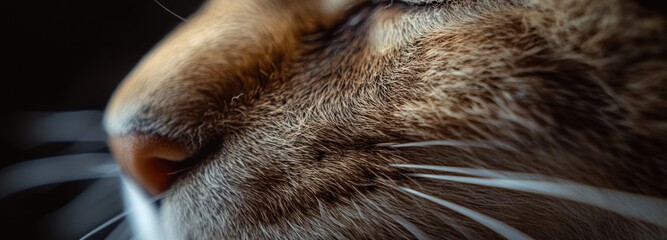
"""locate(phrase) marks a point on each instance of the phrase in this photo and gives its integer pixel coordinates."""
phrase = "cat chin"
(179, 223)
(183, 218)
(198, 208)
(173, 221)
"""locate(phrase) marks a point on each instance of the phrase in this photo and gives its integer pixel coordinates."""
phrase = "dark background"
(66, 56)
(69, 55)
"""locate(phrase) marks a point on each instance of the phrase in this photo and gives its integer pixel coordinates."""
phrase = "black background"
(66, 56)
(69, 55)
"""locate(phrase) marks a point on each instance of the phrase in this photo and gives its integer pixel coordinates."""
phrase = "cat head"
(337, 119)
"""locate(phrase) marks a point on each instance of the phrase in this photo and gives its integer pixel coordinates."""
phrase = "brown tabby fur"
(290, 106)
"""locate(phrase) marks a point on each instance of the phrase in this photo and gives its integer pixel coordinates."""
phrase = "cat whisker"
(170, 12)
(104, 225)
(178, 171)
(83, 212)
(644, 208)
(453, 143)
(410, 227)
(59, 169)
(497, 226)
(144, 220)
(122, 215)
(477, 172)
(122, 231)
(59, 127)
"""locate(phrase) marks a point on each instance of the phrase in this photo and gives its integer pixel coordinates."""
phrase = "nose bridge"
(220, 47)
(209, 59)
(160, 75)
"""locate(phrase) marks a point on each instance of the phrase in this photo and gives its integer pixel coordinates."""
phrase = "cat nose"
(151, 160)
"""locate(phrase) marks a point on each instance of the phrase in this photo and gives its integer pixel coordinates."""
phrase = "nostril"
(150, 160)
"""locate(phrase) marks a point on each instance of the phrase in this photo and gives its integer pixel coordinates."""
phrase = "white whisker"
(144, 219)
(83, 213)
(478, 172)
(499, 227)
(455, 143)
(178, 171)
(122, 231)
(104, 225)
(649, 209)
(410, 227)
(172, 13)
(25, 175)
(123, 214)
(48, 127)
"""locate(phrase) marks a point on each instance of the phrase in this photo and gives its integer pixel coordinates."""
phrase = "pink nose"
(150, 160)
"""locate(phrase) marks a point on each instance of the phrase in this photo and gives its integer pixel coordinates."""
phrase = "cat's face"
(287, 119)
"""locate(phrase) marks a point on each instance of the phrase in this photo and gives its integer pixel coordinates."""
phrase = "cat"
(429, 119)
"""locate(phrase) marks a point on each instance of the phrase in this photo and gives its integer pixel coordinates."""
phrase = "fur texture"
(292, 106)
